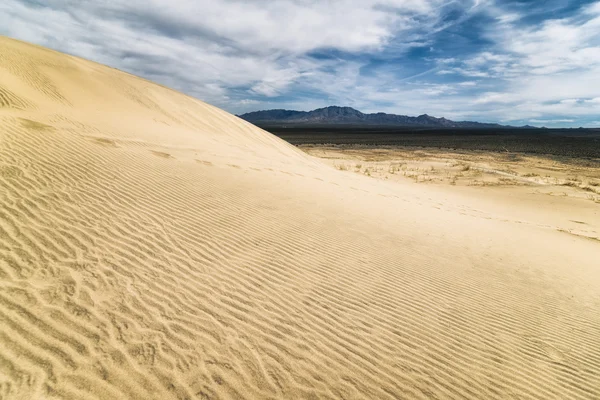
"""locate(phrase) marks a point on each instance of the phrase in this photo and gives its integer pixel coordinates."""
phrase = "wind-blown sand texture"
(155, 247)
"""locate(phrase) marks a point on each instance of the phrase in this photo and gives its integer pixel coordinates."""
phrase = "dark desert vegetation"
(576, 143)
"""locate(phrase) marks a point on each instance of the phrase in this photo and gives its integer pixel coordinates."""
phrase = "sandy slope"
(153, 246)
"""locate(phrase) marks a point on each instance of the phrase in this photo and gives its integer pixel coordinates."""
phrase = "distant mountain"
(335, 115)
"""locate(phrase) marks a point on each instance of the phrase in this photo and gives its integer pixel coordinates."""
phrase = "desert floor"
(551, 189)
(155, 247)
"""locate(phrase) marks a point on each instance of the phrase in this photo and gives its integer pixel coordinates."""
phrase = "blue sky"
(513, 62)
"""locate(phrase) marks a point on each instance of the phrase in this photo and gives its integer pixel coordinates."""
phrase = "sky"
(512, 62)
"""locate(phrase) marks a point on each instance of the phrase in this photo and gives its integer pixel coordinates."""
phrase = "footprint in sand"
(105, 142)
(34, 125)
(208, 163)
(161, 154)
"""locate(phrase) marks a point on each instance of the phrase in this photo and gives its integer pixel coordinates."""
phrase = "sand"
(560, 193)
(155, 247)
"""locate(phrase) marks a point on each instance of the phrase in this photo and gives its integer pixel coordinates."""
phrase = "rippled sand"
(155, 247)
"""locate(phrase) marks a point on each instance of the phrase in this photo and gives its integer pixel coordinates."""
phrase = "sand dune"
(155, 247)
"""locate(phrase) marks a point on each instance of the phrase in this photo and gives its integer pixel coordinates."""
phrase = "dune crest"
(155, 247)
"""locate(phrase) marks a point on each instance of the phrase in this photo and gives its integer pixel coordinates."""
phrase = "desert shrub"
(570, 184)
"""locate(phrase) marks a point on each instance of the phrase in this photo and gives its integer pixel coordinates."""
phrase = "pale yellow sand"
(155, 247)
(553, 192)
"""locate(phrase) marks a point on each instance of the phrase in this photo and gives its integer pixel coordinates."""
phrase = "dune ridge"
(154, 246)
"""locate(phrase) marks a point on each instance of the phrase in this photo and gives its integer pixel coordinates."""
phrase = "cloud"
(542, 69)
(248, 102)
(196, 46)
(551, 121)
(478, 59)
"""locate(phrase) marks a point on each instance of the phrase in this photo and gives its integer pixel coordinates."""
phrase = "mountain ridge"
(349, 115)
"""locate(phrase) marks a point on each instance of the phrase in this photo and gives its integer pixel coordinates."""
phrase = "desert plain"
(545, 188)
(155, 247)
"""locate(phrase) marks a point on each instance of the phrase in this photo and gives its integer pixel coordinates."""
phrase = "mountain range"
(335, 115)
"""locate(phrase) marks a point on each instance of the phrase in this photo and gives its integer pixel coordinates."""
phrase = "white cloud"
(551, 121)
(508, 18)
(200, 45)
(551, 68)
(486, 58)
(593, 9)
(493, 97)
(239, 54)
(290, 26)
(467, 72)
(248, 102)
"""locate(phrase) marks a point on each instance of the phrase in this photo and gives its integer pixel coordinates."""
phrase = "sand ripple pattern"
(180, 253)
